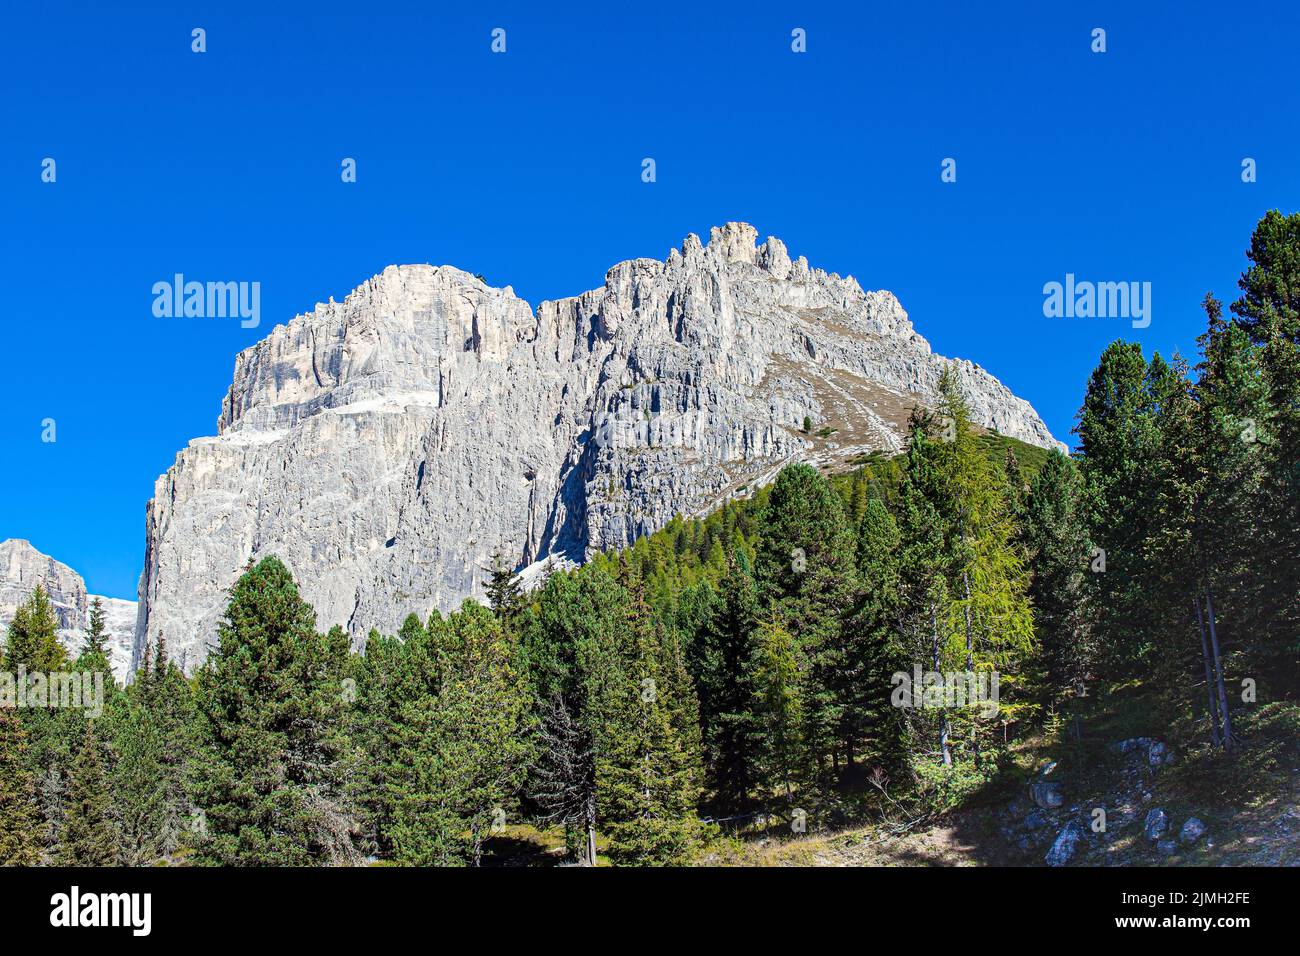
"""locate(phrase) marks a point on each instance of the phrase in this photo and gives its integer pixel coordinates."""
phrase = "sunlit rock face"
(386, 446)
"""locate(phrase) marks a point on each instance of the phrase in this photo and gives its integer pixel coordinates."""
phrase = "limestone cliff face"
(22, 568)
(384, 447)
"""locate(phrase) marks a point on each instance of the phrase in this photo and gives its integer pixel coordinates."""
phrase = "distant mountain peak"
(385, 446)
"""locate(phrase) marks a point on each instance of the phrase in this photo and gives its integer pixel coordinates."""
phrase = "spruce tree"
(273, 757)
(778, 707)
(96, 633)
(53, 734)
(1269, 311)
(722, 659)
(89, 836)
(571, 643)
(33, 641)
(876, 650)
(805, 567)
(464, 744)
(648, 773)
(151, 734)
(1056, 539)
(1119, 443)
(923, 568)
(505, 596)
(20, 820)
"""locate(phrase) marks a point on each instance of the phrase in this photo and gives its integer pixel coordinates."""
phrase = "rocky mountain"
(384, 447)
(22, 568)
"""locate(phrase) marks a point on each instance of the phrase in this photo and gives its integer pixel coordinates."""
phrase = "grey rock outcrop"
(1046, 795)
(22, 568)
(1192, 830)
(1157, 822)
(384, 447)
(1065, 844)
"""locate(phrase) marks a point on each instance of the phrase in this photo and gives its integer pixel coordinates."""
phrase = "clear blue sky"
(526, 167)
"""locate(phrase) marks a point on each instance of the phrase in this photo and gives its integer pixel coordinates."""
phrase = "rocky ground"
(1162, 805)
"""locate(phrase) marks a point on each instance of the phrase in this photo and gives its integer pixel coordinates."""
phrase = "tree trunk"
(590, 849)
(943, 721)
(1209, 681)
(1218, 668)
(970, 657)
(970, 643)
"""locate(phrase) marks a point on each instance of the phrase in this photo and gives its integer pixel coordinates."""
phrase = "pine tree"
(96, 633)
(778, 706)
(648, 768)
(89, 837)
(1056, 540)
(722, 663)
(20, 820)
(923, 567)
(1119, 443)
(1269, 311)
(875, 648)
(33, 637)
(505, 596)
(571, 643)
(53, 734)
(805, 567)
(382, 688)
(150, 731)
(273, 759)
(464, 744)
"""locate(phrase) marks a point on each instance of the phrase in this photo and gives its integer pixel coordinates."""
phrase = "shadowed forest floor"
(1249, 800)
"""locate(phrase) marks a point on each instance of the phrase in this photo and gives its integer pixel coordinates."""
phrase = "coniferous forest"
(871, 649)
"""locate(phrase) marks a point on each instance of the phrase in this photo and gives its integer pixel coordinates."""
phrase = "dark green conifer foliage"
(1056, 541)
(20, 821)
(722, 661)
(923, 568)
(648, 772)
(1118, 439)
(505, 596)
(876, 649)
(1269, 311)
(89, 836)
(273, 758)
(806, 568)
(150, 729)
(463, 744)
(33, 641)
(96, 632)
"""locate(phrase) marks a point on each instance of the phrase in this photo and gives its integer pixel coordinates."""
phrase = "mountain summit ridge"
(387, 445)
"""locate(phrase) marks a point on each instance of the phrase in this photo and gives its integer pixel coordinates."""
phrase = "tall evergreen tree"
(1269, 311)
(806, 568)
(273, 759)
(20, 819)
(96, 632)
(876, 650)
(778, 706)
(722, 659)
(923, 569)
(648, 772)
(33, 641)
(89, 837)
(1056, 539)
(1118, 440)
(463, 745)
(150, 730)
(505, 596)
(53, 734)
